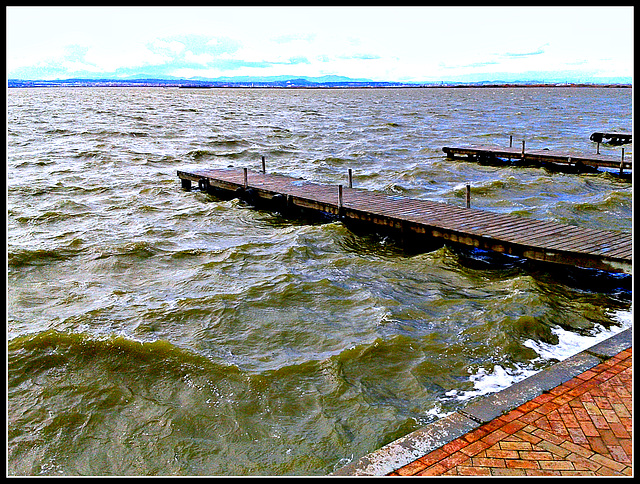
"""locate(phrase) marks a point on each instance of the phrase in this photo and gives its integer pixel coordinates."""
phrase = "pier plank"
(542, 157)
(611, 137)
(524, 237)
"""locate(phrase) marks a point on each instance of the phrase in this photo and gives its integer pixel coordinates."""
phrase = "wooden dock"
(611, 138)
(422, 219)
(518, 155)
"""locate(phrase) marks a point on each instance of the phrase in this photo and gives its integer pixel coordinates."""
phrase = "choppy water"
(154, 331)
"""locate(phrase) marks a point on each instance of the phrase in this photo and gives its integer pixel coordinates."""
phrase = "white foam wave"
(486, 382)
(569, 344)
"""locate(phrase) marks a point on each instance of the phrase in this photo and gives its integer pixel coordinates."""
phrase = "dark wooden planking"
(539, 156)
(614, 138)
(530, 238)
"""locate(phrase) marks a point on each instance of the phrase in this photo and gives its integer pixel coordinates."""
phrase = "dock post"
(622, 162)
(339, 198)
(264, 168)
(350, 178)
(186, 184)
(510, 140)
(468, 196)
(245, 183)
(598, 148)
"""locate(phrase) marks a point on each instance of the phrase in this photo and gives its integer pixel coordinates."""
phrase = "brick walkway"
(581, 428)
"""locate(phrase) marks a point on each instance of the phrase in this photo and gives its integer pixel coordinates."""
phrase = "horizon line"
(300, 81)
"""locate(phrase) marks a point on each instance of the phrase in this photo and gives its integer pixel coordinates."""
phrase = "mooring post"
(186, 184)
(510, 141)
(598, 148)
(468, 196)
(340, 197)
(264, 168)
(622, 162)
(246, 184)
(350, 178)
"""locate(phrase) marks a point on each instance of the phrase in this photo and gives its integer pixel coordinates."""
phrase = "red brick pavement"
(582, 427)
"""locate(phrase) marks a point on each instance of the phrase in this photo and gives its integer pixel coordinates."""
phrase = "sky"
(396, 44)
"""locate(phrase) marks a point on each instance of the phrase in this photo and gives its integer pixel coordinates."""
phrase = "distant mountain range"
(277, 82)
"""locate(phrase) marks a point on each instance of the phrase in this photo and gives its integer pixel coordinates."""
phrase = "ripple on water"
(153, 331)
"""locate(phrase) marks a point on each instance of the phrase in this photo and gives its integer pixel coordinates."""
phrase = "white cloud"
(382, 43)
(203, 59)
(172, 46)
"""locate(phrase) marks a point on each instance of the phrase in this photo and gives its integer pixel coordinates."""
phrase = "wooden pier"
(574, 162)
(422, 219)
(611, 138)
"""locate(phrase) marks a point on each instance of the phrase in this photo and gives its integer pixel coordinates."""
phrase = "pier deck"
(413, 218)
(540, 157)
(612, 138)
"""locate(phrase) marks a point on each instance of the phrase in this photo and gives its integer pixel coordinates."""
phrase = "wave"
(567, 343)
(138, 250)
(200, 154)
(22, 257)
(610, 201)
(52, 347)
(227, 143)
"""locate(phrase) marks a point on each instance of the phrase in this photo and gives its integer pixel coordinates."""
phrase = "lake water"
(154, 331)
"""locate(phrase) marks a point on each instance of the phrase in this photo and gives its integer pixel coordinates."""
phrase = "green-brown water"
(153, 331)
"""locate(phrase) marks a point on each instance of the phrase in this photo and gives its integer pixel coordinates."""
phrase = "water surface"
(153, 331)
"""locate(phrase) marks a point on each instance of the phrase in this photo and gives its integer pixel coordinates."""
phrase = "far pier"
(611, 138)
(521, 155)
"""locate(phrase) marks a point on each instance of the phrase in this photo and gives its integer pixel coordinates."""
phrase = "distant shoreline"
(287, 84)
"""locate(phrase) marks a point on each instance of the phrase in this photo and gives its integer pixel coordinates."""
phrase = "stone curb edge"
(407, 449)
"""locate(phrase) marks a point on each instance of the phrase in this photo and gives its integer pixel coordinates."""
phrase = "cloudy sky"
(411, 44)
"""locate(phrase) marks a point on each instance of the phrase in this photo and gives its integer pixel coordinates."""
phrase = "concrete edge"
(406, 449)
